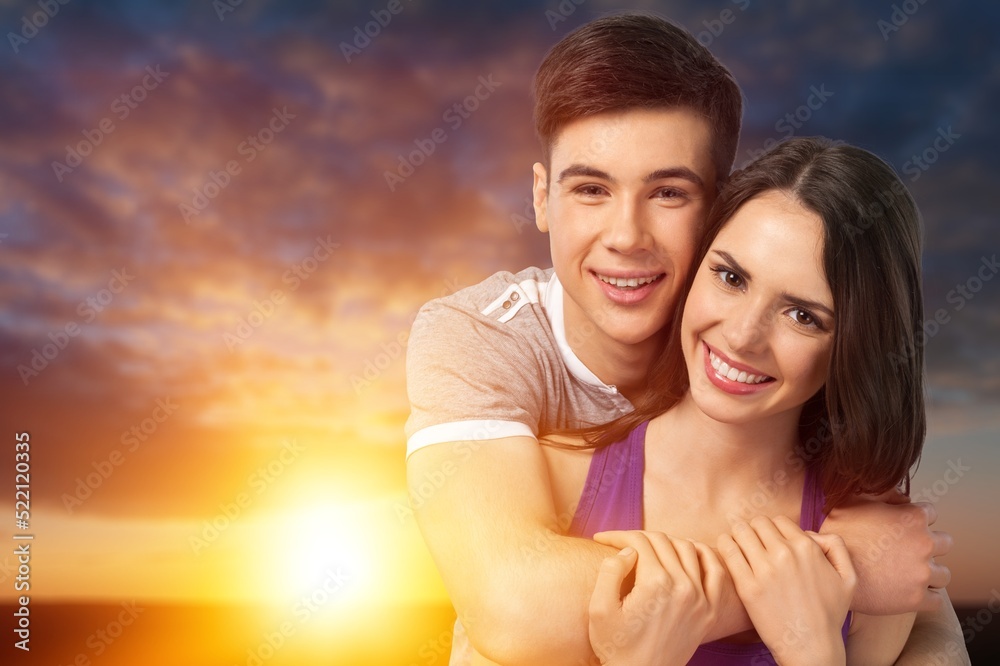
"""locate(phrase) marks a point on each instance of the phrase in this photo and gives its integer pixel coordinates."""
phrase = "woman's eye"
(729, 278)
(803, 317)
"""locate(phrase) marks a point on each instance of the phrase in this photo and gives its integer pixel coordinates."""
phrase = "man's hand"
(669, 610)
(893, 548)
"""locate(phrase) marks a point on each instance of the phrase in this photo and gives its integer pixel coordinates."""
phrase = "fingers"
(942, 543)
(617, 538)
(783, 525)
(836, 552)
(893, 496)
(749, 543)
(929, 511)
(657, 560)
(713, 572)
(687, 554)
(940, 576)
(734, 558)
(607, 592)
(932, 601)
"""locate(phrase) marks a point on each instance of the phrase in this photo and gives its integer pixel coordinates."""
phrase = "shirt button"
(506, 305)
(515, 296)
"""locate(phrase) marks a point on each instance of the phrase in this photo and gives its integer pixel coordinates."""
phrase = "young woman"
(792, 381)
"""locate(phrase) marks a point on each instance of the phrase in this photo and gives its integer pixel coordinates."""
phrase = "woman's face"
(757, 329)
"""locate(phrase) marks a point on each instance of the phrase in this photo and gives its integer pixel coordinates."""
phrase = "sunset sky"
(202, 256)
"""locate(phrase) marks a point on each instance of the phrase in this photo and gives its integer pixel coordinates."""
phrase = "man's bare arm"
(936, 638)
(892, 548)
(521, 589)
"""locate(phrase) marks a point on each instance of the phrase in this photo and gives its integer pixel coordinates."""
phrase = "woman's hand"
(665, 616)
(797, 587)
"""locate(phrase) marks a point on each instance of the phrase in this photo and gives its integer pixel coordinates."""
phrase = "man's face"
(622, 206)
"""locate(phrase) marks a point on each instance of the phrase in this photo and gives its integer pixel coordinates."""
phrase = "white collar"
(552, 302)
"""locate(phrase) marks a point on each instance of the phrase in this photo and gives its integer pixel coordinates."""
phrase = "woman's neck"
(719, 459)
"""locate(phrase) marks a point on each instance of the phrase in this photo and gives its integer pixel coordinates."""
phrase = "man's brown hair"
(636, 61)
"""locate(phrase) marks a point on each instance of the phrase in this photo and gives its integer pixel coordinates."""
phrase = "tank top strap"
(612, 494)
(811, 514)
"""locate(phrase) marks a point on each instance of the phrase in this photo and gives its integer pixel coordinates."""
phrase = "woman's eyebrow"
(735, 265)
(788, 296)
(806, 303)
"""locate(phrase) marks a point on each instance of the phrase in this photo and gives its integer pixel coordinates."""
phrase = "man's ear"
(540, 192)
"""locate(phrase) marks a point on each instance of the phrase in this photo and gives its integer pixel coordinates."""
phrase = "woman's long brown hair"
(865, 428)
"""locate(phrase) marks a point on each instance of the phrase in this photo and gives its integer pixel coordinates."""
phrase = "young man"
(640, 126)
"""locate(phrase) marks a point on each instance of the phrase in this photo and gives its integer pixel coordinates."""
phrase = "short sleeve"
(470, 377)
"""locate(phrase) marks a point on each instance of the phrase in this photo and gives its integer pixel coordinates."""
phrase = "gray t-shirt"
(492, 361)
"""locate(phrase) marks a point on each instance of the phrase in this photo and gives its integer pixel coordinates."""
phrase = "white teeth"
(627, 282)
(732, 374)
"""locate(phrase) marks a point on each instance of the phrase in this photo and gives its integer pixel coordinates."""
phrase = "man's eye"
(671, 193)
(590, 190)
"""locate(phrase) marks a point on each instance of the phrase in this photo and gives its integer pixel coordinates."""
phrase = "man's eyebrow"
(788, 296)
(577, 170)
(675, 172)
(584, 170)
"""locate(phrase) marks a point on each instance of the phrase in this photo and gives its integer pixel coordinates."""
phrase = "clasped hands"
(796, 586)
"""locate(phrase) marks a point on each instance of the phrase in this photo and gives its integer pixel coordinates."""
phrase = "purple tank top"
(612, 500)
